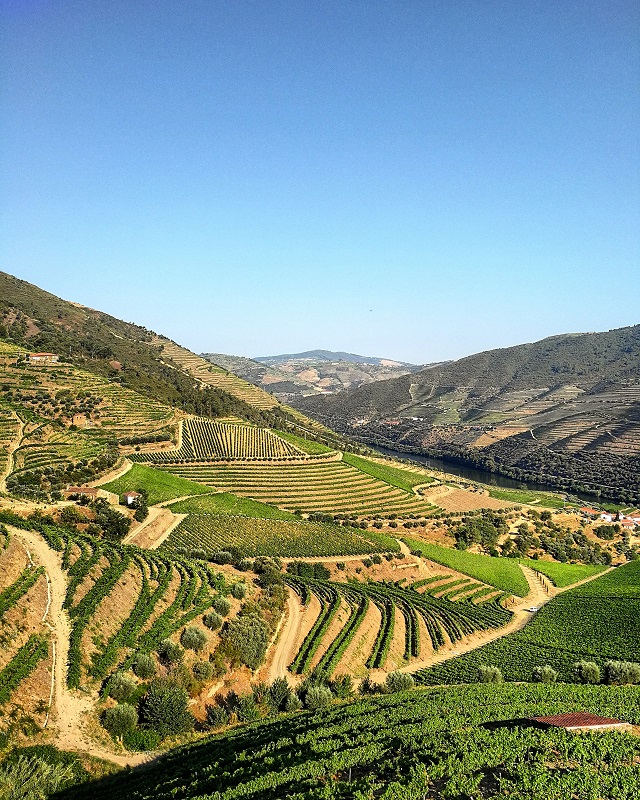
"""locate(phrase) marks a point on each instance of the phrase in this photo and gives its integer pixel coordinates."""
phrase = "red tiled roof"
(33, 355)
(81, 490)
(578, 719)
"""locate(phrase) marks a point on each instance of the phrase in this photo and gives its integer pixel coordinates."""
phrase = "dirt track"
(286, 646)
(538, 596)
(72, 711)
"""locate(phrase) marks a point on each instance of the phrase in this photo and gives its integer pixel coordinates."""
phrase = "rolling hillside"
(564, 410)
(131, 356)
(294, 375)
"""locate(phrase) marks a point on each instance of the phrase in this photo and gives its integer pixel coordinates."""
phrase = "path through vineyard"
(72, 711)
(539, 594)
(286, 646)
(15, 444)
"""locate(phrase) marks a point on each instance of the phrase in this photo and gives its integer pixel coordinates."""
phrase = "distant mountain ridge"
(290, 377)
(561, 409)
(330, 355)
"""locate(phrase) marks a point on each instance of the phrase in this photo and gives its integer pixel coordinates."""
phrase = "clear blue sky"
(401, 178)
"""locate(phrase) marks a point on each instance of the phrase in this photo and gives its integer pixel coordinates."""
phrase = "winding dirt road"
(285, 648)
(72, 711)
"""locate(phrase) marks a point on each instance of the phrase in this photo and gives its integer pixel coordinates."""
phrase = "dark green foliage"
(279, 693)
(202, 670)
(193, 638)
(170, 652)
(121, 686)
(212, 620)
(244, 640)
(120, 719)
(217, 716)
(587, 672)
(165, 708)
(144, 666)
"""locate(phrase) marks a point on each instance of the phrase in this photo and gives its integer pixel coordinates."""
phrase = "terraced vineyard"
(9, 430)
(597, 621)
(433, 743)
(330, 487)
(109, 623)
(25, 649)
(436, 610)
(254, 536)
(211, 375)
(503, 573)
(207, 440)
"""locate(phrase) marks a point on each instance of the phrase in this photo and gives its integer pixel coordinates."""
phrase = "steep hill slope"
(565, 409)
(129, 355)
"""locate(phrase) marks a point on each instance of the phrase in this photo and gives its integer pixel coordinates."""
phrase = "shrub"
(202, 670)
(144, 666)
(367, 562)
(141, 739)
(32, 778)
(245, 640)
(587, 672)
(490, 675)
(621, 672)
(170, 652)
(121, 686)
(342, 686)
(239, 590)
(221, 605)
(217, 716)
(318, 697)
(165, 708)
(120, 719)
(293, 703)
(546, 674)
(246, 708)
(279, 692)
(193, 638)
(399, 682)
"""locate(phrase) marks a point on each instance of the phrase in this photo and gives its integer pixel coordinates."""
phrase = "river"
(471, 473)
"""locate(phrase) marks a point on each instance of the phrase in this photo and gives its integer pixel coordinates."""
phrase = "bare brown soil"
(155, 529)
(360, 647)
(451, 499)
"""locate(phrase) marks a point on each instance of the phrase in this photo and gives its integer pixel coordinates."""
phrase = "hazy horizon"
(418, 181)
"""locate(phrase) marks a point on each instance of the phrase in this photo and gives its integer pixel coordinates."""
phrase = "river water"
(470, 473)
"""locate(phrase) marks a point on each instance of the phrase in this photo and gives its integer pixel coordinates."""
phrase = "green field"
(225, 503)
(328, 486)
(542, 499)
(396, 476)
(269, 537)
(307, 446)
(597, 621)
(429, 743)
(160, 485)
(563, 574)
(503, 573)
